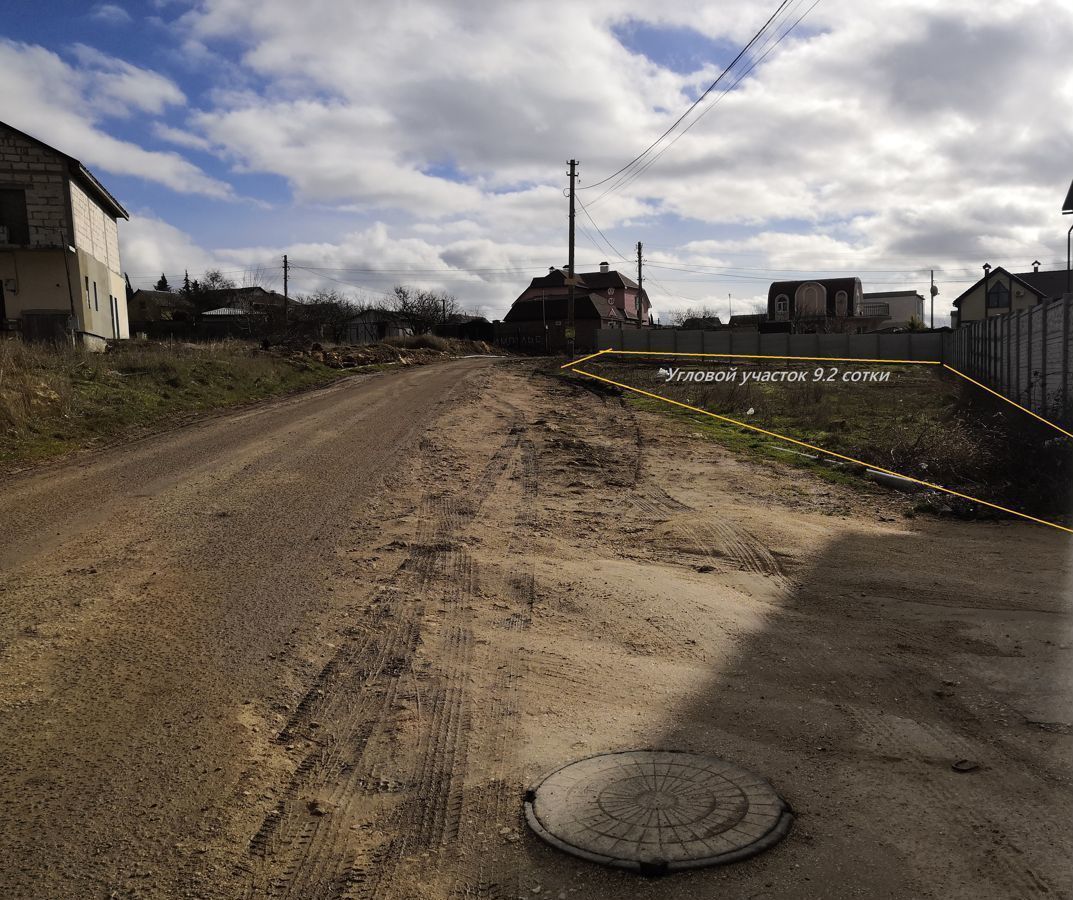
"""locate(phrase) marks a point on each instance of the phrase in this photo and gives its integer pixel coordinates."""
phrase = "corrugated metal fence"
(866, 346)
(1023, 355)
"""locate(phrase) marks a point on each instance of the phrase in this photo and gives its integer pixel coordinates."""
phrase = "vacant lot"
(318, 648)
(920, 421)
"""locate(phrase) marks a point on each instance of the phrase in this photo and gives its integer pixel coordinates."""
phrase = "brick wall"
(96, 232)
(41, 173)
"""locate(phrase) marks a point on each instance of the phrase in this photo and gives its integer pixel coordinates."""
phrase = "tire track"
(1008, 860)
(305, 847)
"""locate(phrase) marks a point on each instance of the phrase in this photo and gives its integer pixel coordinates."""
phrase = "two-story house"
(60, 275)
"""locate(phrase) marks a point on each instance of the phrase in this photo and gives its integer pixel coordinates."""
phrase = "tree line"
(326, 313)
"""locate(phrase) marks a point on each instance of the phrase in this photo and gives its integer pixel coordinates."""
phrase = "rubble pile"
(357, 356)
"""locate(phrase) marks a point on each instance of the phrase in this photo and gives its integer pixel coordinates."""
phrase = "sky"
(426, 143)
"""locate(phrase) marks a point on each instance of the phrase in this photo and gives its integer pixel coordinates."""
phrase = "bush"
(419, 342)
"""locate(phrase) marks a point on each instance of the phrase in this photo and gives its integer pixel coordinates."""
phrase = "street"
(319, 647)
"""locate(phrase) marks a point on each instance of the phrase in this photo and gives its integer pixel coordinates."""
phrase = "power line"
(636, 173)
(693, 105)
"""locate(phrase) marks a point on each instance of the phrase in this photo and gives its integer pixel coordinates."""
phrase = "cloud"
(111, 13)
(63, 105)
(118, 88)
(888, 144)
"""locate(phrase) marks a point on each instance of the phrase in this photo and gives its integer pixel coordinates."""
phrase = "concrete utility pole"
(286, 272)
(934, 291)
(640, 285)
(570, 264)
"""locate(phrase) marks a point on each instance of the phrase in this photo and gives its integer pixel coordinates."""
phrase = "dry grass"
(55, 398)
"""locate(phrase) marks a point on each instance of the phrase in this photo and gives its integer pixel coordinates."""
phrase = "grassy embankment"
(57, 399)
(922, 422)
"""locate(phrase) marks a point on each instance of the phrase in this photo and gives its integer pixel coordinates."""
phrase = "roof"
(1067, 207)
(995, 271)
(80, 173)
(586, 306)
(592, 281)
(1051, 283)
(227, 311)
(832, 284)
(872, 295)
(750, 319)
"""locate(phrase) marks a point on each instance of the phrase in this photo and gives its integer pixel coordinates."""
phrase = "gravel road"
(319, 647)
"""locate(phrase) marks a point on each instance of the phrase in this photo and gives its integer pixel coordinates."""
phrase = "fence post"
(1043, 360)
(1028, 354)
(1017, 357)
(1066, 416)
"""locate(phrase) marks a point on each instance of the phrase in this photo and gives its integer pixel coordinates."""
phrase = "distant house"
(159, 312)
(537, 320)
(374, 325)
(1001, 291)
(702, 323)
(819, 305)
(746, 322)
(253, 299)
(60, 273)
(896, 307)
(466, 327)
(232, 321)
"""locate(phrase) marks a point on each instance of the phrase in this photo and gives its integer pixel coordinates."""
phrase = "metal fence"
(1022, 355)
(908, 345)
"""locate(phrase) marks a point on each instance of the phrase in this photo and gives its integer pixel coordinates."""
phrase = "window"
(96, 305)
(782, 307)
(14, 228)
(88, 299)
(998, 296)
(841, 303)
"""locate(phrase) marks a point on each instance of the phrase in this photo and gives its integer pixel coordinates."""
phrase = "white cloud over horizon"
(888, 141)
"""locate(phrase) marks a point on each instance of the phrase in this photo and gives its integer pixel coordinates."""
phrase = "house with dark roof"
(1001, 291)
(160, 313)
(537, 320)
(819, 305)
(60, 273)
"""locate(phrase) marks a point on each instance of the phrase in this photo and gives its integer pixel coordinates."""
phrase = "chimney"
(551, 269)
(1035, 265)
(604, 266)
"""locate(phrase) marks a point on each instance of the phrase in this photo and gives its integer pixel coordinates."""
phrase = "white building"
(60, 273)
(897, 306)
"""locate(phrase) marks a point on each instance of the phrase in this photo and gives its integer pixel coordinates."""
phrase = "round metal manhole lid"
(657, 811)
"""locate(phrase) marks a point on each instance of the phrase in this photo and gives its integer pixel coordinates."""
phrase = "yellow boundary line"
(782, 437)
(1008, 400)
(575, 362)
(904, 362)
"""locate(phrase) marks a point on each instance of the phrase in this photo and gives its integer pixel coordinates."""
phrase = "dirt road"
(319, 648)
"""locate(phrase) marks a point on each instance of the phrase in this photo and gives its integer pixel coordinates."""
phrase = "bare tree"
(420, 309)
(326, 314)
(680, 316)
(214, 280)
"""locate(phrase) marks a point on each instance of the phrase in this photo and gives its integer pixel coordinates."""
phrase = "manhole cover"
(656, 811)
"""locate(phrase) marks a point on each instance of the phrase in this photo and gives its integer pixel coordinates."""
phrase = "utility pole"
(286, 272)
(570, 264)
(640, 286)
(730, 299)
(934, 291)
